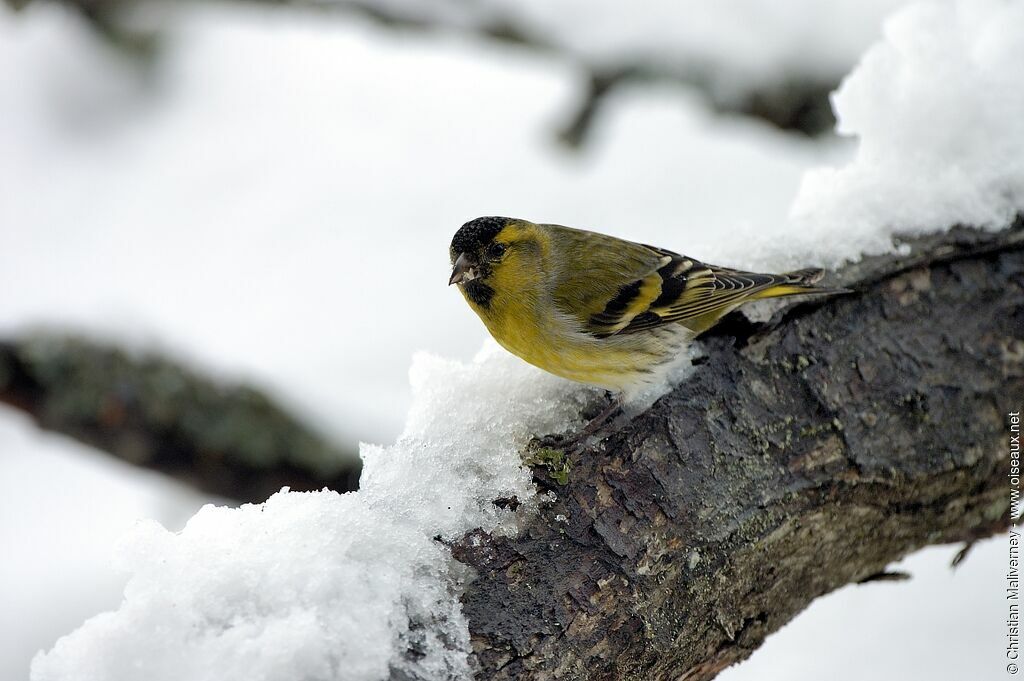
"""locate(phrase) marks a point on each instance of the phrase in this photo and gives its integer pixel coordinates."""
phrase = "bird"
(595, 308)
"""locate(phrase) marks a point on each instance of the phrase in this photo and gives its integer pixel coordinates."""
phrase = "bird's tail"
(798, 282)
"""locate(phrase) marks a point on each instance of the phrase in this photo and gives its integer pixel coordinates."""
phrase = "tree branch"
(803, 455)
(230, 441)
(794, 104)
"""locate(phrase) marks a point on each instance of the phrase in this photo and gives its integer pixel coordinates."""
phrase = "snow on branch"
(796, 459)
(802, 454)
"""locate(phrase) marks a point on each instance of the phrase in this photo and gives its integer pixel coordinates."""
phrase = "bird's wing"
(604, 282)
(618, 287)
(696, 295)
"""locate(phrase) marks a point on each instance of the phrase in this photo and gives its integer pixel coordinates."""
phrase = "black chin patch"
(476, 234)
(479, 292)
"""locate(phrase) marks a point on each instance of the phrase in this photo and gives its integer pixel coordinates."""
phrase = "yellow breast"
(530, 329)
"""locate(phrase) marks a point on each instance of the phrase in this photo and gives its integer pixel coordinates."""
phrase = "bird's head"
(495, 253)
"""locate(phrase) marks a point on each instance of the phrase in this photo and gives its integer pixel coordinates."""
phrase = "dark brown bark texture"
(803, 455)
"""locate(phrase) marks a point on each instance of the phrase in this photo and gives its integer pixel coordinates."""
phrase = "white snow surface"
(938, 108)
(321, 585)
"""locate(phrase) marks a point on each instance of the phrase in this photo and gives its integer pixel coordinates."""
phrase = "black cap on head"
(477, 233)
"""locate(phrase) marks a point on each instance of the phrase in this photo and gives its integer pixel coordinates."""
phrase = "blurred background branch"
(792, 102)
(232, 441)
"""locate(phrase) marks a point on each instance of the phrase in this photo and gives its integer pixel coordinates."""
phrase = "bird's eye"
(496, 250)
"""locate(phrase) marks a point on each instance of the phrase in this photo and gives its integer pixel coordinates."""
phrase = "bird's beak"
(463, 270)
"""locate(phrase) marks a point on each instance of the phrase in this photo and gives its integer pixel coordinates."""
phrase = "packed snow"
(322, 585)
(938, 110)
(64, 510)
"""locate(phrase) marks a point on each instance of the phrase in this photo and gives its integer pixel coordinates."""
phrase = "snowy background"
(272, 201)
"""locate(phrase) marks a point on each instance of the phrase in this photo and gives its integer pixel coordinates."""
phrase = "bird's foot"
(574, 442)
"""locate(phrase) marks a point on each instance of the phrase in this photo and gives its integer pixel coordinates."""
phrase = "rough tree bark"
(802, 456)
